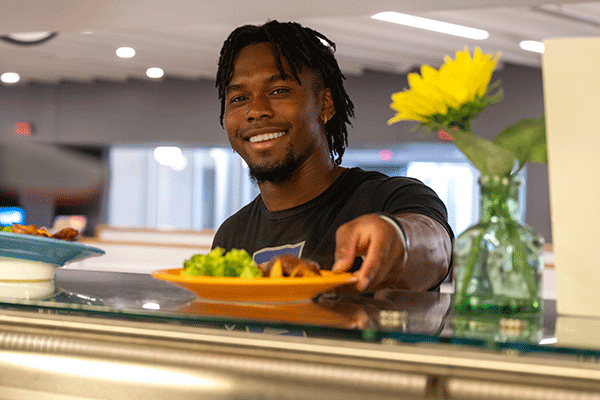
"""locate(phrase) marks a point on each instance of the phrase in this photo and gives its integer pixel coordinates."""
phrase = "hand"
(378, 242)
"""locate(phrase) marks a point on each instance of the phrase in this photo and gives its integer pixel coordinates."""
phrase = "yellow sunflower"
(450, 96)
(446, 100)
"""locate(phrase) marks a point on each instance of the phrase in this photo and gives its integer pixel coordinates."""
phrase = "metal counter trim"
(164, 343)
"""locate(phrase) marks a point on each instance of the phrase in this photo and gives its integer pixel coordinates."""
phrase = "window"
(194, 188)
(198, 188)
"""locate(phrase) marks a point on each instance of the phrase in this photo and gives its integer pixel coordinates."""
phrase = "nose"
(259, 108)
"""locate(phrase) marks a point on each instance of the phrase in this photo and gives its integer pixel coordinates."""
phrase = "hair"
(300, 47)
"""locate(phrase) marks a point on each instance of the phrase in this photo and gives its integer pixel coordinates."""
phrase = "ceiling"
(183, 37)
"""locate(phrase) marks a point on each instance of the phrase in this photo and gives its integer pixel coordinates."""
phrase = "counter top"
(414, 340)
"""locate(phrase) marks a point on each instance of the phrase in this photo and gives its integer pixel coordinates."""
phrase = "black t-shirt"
(309, 230)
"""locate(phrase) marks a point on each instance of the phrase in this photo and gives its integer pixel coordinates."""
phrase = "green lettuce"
(234, 263)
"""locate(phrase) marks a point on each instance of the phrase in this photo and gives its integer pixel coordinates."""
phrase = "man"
(285, 110)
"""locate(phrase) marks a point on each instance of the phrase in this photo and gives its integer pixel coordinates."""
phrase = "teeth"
(266, 136)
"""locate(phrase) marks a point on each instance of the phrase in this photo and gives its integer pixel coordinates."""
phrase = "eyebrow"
(274, 78)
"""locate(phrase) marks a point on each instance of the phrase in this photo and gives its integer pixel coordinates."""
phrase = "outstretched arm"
(414, 258)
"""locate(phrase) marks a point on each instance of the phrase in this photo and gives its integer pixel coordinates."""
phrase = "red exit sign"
(23, 128)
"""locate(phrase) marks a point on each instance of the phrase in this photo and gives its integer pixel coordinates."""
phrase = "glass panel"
(387, 315)
(128, 192)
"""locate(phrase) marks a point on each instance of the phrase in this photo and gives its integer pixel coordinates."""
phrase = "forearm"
(427, 253)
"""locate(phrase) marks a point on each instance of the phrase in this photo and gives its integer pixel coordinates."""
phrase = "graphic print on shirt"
(264, 255)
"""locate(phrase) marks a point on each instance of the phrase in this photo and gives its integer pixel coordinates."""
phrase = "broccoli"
(235, 263)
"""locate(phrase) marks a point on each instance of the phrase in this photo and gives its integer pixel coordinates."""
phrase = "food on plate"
(238, 263)
(286, 265)
(63, 234)
(234, 263)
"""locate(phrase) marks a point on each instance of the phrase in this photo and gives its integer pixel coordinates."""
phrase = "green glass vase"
(498, 262)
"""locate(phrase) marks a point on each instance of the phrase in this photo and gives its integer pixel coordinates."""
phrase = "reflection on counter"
(499, 329)
(421, 313)
(137, 295)
(426, 312)
(45, 293)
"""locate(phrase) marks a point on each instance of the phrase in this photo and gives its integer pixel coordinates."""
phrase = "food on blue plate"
(286, 265)
(64, 234)
(234, 263)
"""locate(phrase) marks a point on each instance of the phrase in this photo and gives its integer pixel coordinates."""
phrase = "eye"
(237, 99)
(279, 91)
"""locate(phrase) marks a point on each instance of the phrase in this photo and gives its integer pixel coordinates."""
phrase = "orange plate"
(255, 289)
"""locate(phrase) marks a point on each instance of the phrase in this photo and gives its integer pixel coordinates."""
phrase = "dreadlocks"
(300, 47)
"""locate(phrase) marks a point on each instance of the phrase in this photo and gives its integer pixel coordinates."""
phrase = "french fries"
(289, 266)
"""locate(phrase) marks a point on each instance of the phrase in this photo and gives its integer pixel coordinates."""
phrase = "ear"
(327, 106)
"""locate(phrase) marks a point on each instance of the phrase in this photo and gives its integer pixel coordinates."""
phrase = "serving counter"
(113, 335)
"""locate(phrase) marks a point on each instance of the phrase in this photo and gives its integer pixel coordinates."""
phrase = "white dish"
(26, 290)
(20, 270)
(31, 259)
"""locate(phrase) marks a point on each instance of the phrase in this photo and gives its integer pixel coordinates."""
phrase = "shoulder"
(374, 179)
(398, 195)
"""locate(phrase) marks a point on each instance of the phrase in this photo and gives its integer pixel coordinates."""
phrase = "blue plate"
(43, 249)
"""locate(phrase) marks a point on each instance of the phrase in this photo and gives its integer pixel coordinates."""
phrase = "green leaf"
(487, 157)
(526, 139)
(461, 117)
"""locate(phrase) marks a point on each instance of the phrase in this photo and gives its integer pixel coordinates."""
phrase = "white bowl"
(26, 290)
(25, 271)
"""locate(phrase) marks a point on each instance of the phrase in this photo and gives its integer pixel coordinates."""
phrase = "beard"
(274, 173)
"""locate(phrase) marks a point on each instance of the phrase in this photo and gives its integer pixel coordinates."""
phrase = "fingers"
(345, 248)
(374, 267)
(374, 239)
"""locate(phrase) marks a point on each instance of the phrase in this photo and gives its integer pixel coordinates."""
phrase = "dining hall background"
(167, 163)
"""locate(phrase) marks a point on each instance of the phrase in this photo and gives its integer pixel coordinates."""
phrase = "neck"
(306, 184)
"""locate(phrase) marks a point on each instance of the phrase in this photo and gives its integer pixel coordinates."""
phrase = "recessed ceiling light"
(155, 72)
(125, 52)
(10, 77)
(29, 36)
(431, 25)
(532, 45)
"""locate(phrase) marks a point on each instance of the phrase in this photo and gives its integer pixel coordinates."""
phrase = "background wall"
(187, 112)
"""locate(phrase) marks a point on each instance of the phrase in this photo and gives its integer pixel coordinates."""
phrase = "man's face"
(274, 123)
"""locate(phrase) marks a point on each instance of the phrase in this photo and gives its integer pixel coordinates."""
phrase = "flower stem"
(519, 257)
(473, 254)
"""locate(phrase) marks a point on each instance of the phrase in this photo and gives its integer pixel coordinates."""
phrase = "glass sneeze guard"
(407, 317)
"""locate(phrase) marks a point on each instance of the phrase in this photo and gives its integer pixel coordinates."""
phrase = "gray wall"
(186, 112)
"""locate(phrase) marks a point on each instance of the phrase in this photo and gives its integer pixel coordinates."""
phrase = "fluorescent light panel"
(431, 25)
(532, 45)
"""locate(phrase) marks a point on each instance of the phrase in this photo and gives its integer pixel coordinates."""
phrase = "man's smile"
(265, 136)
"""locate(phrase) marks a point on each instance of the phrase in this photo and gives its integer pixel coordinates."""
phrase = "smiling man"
(286, 113)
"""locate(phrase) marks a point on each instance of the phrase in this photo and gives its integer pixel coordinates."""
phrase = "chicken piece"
(29, 230)
(303, 270)
(66, 234)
